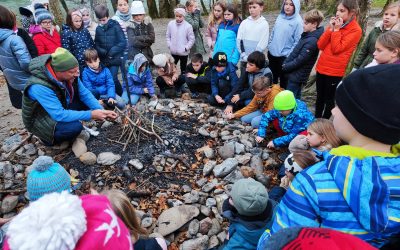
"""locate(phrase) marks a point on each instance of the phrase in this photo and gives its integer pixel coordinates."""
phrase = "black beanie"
(370, 100)
(220, 59)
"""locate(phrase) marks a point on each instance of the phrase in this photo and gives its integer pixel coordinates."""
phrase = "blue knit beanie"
(41, 13)
(46, 177)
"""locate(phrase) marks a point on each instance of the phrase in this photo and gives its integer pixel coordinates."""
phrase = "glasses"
(46, 22)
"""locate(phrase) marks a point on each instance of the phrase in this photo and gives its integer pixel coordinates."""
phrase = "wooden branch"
(8, 191)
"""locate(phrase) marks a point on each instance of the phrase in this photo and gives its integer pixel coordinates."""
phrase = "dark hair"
(69, 21)
(101, 11)
(350, 5)
(7, 18)
(127, 1)
(233, 9)
(261, 83)
(189, 2)
(91, 55)
(196, 57)
(259, 2)
(258, 58)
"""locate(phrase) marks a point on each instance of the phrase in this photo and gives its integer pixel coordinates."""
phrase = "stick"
(144, 130)
(116, 141)
(176, 172)
(19, 145)
(127, 141)
(3, 191)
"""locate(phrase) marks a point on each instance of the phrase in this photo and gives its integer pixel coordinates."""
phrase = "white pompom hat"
(137, 8)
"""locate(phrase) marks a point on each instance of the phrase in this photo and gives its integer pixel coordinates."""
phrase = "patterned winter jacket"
(76, 41)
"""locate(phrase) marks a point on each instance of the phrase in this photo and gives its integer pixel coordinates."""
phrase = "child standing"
(46, 38)
(387, 48)
(362, 174)
(249, 211)
(98, 80)
(214, 20)
(337, 44)
(284, 37)
(298, 65)
(390, 19)
(262, 102)
(198, 75)
(88, 23)
(110, 43)
(140, 81)
(223, 80)
(193, 17)
(253, 33)
(289, 117)
(227, 32)
(140, 33)
(180, 37)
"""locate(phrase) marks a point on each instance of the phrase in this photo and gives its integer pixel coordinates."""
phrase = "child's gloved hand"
(259, 139)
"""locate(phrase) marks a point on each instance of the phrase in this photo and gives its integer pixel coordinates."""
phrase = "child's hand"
(270, 144)
(170, 83)
(332, 23)
(219, 99)
(259, 139)
(145, 90)
(111, 100)
(228, 110)
(101, 102)
(338, 23)
(230, 116)
(285, 182)
(235, 98)
(174, 79)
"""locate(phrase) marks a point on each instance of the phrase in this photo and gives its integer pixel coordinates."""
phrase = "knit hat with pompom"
(46, 176)
(160, 60)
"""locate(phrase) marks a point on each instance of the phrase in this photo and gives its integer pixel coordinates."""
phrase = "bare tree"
(55, 9)
(153, 12)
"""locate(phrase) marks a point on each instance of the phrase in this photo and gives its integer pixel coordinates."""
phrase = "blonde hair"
(394, 5)
(325, 129)
(390, 40)
(211, 17)
(125, 211)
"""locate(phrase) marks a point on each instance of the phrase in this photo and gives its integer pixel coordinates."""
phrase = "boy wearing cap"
(249, 211)
(223, 80)
(289, 117)
(355, 189)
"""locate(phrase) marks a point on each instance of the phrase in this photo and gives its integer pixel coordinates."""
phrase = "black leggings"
(326, 89)
(177, 83)
(183, 62)
(275, 64)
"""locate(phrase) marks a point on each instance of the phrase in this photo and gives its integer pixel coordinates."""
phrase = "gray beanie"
(160, 60)
(249, 197)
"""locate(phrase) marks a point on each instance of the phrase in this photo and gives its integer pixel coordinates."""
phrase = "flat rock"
(9, 203)
(234, 176)
(208, 152)
(205, 225)
(239, 148)
(11, 142)
(227, 166)
(215, 228)
(107, 158)
(79, 147)
(203, 132)
(208, 187)
(136, 164)
(147, 222)
(191, 197)
(213, 242)
(221, 236)
(211, 202)
(208, 167)
(243, 159)
(7, 170)
(214, 134)
(88, 158)
(257, 164)
(227, 151)
(200, 243)
(194, 226)
(174, 218)
(205, 210)
(30, 149)
(220, 200)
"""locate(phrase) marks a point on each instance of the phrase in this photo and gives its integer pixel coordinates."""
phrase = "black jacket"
(29, 42)
(140, 38)
(298, 65)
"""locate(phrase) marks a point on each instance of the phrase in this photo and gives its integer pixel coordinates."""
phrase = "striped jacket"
(353, 190)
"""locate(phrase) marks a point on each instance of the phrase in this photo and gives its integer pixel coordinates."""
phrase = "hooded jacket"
(99, 83)
(226, 41)
(180, 37)
(292, 124)
(352, 190)
(299, 63)
(287, 32)
(228, 75)
(14, 59)
(76, 41)
(140, 38)
(45, 42)
(138, 81)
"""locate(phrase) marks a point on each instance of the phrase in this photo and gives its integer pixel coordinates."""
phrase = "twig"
(19, 145)
(116, 142)
(177, 172)
(5, 191)
(127, 141)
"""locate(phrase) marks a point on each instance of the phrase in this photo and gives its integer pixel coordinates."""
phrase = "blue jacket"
(14, 59)
(99, 83)
(110, 43)
(292, 125)
(226, 41)
(229, 75)
(299, 63)
(76, 42)
(138, 81)
(287, 32)
(353, 190)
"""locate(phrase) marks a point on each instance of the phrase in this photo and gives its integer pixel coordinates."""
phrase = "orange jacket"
(264, 104)
(337, 48)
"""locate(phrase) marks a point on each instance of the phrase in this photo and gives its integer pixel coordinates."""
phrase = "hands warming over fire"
(101, 115)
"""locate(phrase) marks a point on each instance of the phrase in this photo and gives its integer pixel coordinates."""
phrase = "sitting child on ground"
(168, 76)
(244, 93)
(140, 81)
(262, 102)
(290, 117)
(126, 212)
(99, 80)
(198, 76)
(223, 80)
(249, 211)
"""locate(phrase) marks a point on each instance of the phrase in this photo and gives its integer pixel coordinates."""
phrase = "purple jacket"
(180, 37)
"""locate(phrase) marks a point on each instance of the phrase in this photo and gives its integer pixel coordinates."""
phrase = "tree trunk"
(54, 6)
(243, 7)
(64, 5)
(114, 5)
(153, 12)
(205, 12)
(166, 10)
(97, 2)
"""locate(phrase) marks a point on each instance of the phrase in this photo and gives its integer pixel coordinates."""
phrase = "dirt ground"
(10, 118)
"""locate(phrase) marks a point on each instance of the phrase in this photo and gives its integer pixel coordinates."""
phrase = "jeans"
(134, 98)
(253, 118)
(224, 88)
(275, 64)
(326, 89)
(277, 193)
(183, 62)
(67, 131)
(295, 87)
(114, 72)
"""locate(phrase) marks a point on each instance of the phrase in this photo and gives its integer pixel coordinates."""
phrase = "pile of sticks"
(135, 124)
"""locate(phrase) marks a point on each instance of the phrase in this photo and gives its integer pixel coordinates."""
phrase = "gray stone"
(247, 143)
(213, 242)
(200, 243)
(186, 188)
(215, 228)
(205, 210)
(136, 164)
(264, 179)
(239, 148)
(18, 168)
(218, 191)
(11, 142)
(159, 106)
(201, 182)
(8, 174)
(9, 203)
(227, 166)
(243, 159)
(208, 187)
(227, 151)
(222, 236)
(203, 132)
(228, 137)
(257, 164)
(208, 167)
(84, 135)
(147, 222)
(30, 149)
(107, 158)
(19, 176)
(194, 226)
(208, 152)
(220, 200)
(205, 225)
(225, 132)
(217, 215)
(173, 218)
(191, 197)
(212, 120)
(140, 214)
(234, 176)
(265, 155)
(211, 202)
(88, 158)
(79, 147)
(153, 102)
(106, 124)
(174, 202)
(214, 134)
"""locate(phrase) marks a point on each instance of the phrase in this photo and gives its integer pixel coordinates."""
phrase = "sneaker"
(195, 95)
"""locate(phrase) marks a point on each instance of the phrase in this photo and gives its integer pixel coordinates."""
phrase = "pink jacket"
(180, 37)
(211, 36)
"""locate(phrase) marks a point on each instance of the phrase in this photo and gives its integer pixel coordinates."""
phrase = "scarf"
(87, 23)
(124, 17)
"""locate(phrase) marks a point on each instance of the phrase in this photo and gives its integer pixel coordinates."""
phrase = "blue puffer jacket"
(226, 41)
(14, 59)
(230, 75)
(292, 125)
(99, 83)
(299, 63)
(110, 43)
(76, 42)
(138, 81)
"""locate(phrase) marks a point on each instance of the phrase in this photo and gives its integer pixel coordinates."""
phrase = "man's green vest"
(35, 117)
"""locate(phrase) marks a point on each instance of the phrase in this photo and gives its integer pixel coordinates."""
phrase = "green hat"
(63, 60)
(285, 100)
(249, 197)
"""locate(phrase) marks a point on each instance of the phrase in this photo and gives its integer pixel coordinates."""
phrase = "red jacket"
(337, 48)
(46, 43)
